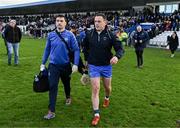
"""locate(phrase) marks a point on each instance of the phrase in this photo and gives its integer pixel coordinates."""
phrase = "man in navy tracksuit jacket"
(59, 62)
(97, 46)
(140, 40)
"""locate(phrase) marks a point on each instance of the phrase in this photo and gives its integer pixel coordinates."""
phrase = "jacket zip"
(99, 39)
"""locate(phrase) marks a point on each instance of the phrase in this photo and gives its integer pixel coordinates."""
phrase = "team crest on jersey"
(105, 38)
(66, 39)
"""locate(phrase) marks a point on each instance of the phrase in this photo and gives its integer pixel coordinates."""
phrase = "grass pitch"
(148, 97)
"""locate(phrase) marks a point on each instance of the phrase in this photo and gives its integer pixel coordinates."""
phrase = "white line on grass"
(22, 58)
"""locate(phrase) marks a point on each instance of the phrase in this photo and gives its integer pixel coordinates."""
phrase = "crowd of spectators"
(39, 26)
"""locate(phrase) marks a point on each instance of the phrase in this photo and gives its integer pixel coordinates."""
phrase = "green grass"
(148, 97)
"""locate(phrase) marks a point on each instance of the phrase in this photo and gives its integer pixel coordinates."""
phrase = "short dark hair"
(175, 32)
(102, 15)
(61, 16)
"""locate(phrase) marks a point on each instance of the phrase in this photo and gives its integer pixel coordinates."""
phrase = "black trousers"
(173, 50)
(56, 72)
(139, 54)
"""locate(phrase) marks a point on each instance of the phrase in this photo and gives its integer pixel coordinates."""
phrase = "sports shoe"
(105, 103)
(49, 116)
(68, 101)
(141, 66)
(178, 123)
(95, 120)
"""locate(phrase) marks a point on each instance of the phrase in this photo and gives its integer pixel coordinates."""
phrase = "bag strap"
(60, 36)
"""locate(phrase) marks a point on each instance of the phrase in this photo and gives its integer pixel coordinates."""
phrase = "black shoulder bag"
(71, 53)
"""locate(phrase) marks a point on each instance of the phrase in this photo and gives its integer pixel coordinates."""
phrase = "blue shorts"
(100, 71)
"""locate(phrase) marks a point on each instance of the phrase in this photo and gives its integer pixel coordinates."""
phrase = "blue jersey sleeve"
(75, 48)
(46, 51)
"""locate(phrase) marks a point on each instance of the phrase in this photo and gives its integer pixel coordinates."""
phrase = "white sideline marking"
(21, 58)
(26, 58)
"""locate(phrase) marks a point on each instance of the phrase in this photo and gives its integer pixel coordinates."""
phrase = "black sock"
(107, 97)
(96, 112)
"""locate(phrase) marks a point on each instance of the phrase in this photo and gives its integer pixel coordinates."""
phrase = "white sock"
(96, 114)
(106, 98)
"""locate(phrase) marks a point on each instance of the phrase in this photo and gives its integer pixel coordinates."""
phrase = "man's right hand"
(114, 60)
(42, 67)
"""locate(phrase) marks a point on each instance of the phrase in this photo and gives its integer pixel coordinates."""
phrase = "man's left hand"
(114, 60)
(74, 68)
